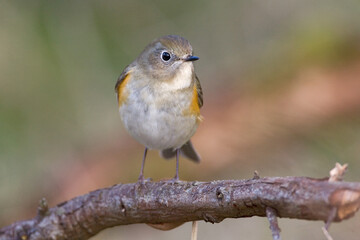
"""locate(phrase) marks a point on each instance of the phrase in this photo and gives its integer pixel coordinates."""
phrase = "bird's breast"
(161, 119)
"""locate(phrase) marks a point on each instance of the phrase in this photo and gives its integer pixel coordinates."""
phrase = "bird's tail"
(187, 150)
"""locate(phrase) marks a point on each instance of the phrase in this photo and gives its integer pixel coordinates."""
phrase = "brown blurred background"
(281, 82)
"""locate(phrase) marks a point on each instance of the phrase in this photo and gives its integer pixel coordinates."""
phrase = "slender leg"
(141, 176)
(176, 178)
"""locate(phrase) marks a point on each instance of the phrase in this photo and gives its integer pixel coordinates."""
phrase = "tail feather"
(168, 153)
(187, 150)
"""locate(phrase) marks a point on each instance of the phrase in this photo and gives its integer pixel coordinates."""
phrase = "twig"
(337, 173)
(274, 227)
(194, 230)
(168, 202)
(331, 217)
(326, 233)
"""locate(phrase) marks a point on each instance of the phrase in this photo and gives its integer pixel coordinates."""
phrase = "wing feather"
(120, 84)
(199, 91)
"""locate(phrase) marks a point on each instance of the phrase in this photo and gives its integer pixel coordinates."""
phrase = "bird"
(159, 98)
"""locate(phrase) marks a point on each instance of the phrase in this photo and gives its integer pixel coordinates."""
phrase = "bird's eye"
(165, 56)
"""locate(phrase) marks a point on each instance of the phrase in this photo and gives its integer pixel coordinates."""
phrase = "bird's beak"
(191, 58)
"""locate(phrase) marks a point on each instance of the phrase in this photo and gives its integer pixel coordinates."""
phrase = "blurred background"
(281, 82)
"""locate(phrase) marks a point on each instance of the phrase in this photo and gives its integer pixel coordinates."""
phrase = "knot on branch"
(43, 209)
(223, 194)
(211, 218)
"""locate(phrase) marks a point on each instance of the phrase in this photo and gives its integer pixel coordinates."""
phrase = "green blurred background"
(281, 82)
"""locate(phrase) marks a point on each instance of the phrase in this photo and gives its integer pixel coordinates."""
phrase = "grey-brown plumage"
(160, 98)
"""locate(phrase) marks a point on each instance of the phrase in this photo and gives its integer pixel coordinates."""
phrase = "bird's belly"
(158, 128)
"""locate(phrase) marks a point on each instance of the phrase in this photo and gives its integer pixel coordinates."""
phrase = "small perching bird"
(160, 97)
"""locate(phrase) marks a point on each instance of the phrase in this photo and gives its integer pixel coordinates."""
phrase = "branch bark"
(166, 202)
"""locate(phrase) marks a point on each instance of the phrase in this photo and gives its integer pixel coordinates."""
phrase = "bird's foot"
(142, 180)
(175, 180)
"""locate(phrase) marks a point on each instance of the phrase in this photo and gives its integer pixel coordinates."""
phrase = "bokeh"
(281, 82)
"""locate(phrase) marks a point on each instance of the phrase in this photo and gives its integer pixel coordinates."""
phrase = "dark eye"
(165, 56)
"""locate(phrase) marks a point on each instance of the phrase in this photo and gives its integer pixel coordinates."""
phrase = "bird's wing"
(199, 92)
(121, 82)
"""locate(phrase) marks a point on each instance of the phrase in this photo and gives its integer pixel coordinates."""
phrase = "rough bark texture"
(166, 202)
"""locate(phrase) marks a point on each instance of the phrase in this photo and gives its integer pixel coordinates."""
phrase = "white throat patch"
(181, 80)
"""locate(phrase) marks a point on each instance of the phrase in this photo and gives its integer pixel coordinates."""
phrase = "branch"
(166, 202)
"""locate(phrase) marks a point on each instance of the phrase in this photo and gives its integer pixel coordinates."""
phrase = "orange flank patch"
(121, 93)
(194, 108)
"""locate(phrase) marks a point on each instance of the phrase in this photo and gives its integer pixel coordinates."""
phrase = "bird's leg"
(141, 176)
(176, 178)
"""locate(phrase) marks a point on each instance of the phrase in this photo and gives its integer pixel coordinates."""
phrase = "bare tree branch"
(166, 202)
